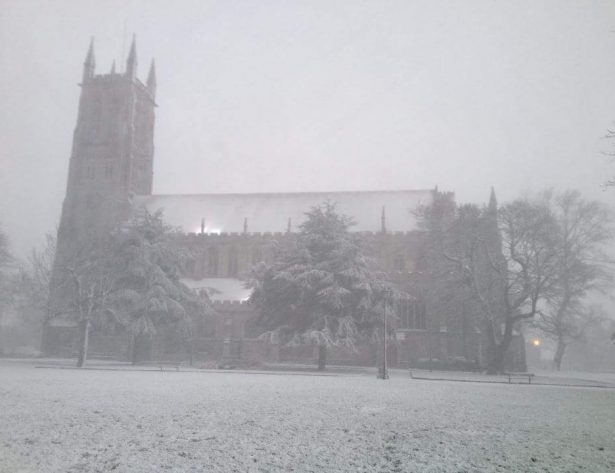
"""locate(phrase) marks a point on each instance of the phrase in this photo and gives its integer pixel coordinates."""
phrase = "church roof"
(270, 212)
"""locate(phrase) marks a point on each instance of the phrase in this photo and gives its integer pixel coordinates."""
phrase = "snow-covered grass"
(54, 420)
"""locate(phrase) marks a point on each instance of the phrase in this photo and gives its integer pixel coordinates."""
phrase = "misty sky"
(307, 96)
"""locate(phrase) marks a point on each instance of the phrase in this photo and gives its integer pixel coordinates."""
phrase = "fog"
(306, 96)
(264, 342)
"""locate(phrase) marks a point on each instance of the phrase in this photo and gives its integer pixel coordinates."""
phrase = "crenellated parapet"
(231, 304)
(235, 238)
(221, 236)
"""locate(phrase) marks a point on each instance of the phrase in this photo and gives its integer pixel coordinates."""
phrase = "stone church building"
(111, 173)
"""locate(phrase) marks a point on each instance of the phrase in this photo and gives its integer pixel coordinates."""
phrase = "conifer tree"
(321, 287)
(149, 291)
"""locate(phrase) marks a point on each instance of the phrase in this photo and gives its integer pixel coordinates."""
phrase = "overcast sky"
(307, 96)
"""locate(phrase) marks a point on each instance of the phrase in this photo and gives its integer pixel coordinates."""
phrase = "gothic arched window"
(412, 314)
(233, 266)
(213, 261)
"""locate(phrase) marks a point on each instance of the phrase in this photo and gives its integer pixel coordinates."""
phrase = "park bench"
(96, 355)
(101, 356)
(521, 376)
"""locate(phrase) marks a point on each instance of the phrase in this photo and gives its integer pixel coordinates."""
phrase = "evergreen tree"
(321, 288)
(149, 293)
(131, 279)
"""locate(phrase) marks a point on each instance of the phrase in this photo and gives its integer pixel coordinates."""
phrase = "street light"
(383, 372)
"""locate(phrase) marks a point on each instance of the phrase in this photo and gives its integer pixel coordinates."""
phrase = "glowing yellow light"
(536, 342)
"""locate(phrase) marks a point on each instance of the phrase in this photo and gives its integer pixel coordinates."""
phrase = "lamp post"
(383, 372)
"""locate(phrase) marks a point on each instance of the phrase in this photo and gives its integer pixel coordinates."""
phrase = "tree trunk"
(44, 341)
(464, 332)
(559, 354)
(496, 351)
(85, 339)
(492, 349)
(190, 348)
(322, 357)
(135, 344)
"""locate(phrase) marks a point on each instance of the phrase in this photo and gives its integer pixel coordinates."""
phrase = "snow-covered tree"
(129, 279)
(32, 287)
(5, 277)
(321, 288)
(503, 262)
(147, 278)
(583, 228)
(5, 255)
(35, 280)
(88, 285)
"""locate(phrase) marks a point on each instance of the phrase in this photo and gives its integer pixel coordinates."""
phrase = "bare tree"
(583, 228)
(5, 278)
(5, 255)
(610, 135)
(504, 258)
(89, 277)
(35, 280)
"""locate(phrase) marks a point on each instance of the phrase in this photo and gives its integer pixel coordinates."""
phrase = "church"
(111, 173)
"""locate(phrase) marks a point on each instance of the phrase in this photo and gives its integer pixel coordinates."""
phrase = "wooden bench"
(95, 355)
(521, 376)
(101, 356)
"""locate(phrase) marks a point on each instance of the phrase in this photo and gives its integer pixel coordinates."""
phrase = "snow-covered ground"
(54, 420)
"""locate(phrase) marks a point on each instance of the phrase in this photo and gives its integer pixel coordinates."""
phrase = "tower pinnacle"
(89, 64)
(151, 79)
(131, 62)
(493, 203)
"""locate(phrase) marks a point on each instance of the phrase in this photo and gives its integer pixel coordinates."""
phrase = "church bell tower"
(113, 148)
(112, 159)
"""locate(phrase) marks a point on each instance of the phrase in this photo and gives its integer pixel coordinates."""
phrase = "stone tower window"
(108, 172)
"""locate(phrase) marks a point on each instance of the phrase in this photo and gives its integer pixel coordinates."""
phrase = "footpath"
(540, 378)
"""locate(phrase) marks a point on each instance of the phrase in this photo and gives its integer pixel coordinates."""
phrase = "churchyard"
(70, 420)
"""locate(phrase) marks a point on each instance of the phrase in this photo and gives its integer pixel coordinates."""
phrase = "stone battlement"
(261, 235)
(232, 306)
